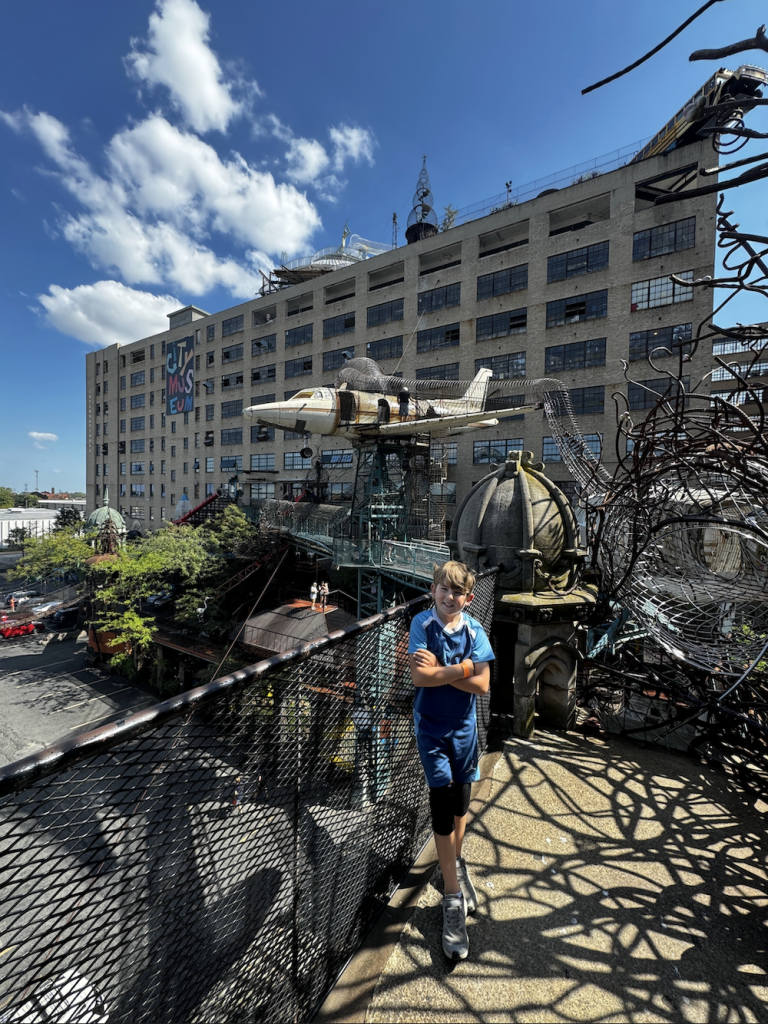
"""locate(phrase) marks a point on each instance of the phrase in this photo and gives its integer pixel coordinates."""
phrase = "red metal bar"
(186, 516)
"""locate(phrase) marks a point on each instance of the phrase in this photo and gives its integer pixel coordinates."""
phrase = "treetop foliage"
(68, 517)
(60, 551)
(231, 531)
(11, 499)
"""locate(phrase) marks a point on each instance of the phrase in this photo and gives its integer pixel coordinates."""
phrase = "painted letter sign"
(180, 376)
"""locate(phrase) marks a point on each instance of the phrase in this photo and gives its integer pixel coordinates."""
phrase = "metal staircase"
(208, 509)
(263, 559)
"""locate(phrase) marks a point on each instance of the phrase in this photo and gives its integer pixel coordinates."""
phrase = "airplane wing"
(433, 424)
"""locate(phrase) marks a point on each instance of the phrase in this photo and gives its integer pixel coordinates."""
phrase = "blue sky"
(156, 154)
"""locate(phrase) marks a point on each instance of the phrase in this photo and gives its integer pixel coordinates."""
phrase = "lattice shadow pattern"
(221, 855)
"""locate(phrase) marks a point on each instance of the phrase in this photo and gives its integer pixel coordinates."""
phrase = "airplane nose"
(275, 414)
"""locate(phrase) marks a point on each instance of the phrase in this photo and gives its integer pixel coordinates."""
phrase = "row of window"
(660, 240)
(574, 309)
(577, 355)
(656, 241)
(648, 244)
(483, 452)
(558, 359)
(649, 294)
(338, 491)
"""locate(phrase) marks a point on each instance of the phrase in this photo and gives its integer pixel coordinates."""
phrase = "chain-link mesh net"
(221, 855)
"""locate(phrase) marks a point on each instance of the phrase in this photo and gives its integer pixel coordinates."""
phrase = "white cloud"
(151, 213)
(106, 312)
(350, 143)
(275, 126)
(307, 160)
(150, 217)
(177, 56)
(38, 436)
(173, 174)
(13, 121)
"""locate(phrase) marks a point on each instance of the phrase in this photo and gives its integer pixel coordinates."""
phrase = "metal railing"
(559, 179)
(416, 558)
(220, 855)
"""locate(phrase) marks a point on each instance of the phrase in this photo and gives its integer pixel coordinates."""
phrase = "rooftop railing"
(218, 856)
(559, 179)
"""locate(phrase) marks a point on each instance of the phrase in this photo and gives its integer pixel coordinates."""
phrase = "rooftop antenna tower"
(394, 230)
(422, 220)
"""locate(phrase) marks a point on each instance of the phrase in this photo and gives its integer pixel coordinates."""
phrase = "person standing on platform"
(313, 595)
(449, 654)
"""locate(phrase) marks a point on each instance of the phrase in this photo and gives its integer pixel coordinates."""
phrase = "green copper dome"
(99, 516)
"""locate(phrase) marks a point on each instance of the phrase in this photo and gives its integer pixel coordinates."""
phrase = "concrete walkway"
(615, 883)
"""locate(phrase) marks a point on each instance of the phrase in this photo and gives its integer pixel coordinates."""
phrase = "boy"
(449, 656)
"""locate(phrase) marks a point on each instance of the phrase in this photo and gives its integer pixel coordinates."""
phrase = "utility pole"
(37, 479)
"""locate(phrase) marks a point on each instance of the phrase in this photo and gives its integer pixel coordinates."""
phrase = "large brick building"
(567, 284)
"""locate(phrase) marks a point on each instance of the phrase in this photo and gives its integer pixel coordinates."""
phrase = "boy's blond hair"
(455, 575)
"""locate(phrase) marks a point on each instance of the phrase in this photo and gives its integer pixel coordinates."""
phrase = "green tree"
(131, 629)
(134, 630)
(179, 556)
(6, 497)
(77, 494)
(17, 536)
(25, 500)
(215, 619)
(60, 551)
(231, 531)
(68, 518)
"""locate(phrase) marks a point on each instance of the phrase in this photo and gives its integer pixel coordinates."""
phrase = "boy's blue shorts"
(448, 752)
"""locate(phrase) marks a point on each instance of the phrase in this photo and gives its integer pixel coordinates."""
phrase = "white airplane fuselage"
(355, 414)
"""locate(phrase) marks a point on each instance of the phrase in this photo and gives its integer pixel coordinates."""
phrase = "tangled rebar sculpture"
(681, 530)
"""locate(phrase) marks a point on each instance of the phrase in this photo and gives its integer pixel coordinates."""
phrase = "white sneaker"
(467, 888)
(455, 941)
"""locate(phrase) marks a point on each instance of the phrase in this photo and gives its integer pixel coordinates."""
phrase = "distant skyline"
(160, 154)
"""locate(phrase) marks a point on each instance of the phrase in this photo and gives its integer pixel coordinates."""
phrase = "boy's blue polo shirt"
(444, 717)
(468, 641)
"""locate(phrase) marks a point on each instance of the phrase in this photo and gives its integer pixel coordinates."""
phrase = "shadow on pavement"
(616, 883)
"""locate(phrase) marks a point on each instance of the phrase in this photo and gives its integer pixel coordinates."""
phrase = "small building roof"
(185, 316)
(286, 627)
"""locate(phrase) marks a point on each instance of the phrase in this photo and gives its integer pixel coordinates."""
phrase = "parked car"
(158, 600)
(65, 618)
(47, 608)
(69, 999)
(8, 630)
(21, 597)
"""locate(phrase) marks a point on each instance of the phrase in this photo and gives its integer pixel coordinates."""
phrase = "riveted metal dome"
(101, 513)
(518, 519)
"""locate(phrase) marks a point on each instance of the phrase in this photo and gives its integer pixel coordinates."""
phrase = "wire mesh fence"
(220, 855)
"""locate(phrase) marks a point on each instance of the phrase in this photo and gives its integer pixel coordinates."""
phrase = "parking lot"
(49, 693)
